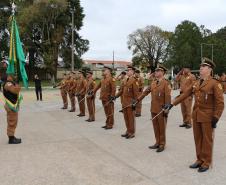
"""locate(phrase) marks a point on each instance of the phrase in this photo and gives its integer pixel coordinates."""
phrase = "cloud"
(108, 22)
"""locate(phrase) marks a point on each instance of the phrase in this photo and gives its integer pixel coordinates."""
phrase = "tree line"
(46, 32)
(183, 47)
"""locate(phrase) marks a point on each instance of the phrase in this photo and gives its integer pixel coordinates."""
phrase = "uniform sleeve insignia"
(9, 84)
(220, 86)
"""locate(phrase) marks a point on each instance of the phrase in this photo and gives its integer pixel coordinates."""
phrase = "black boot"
(155, 146)
(183, 125)
(14, 140)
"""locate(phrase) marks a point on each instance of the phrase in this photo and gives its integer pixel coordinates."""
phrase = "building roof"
(104, 62)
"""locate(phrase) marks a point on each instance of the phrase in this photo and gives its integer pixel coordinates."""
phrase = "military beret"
(207, 62)
(161, 67)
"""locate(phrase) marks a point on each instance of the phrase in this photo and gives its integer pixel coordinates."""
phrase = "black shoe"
(81, 115)
(90, 120)
(121, 111)
(155, 146)
(108, 128)
(124, 135)
(138, 115)
(188, 126)
(130, 136)
(160, 149)
(71, 111)
(203, 169)
(14, 140)
(183, 125)
(64, 108)
(104, 127)
(195, 165)
(87, 120)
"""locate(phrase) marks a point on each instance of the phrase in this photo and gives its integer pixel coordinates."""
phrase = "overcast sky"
(108, 22)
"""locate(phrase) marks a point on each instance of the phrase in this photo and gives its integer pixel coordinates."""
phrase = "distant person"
(38, 87)
(185, 78)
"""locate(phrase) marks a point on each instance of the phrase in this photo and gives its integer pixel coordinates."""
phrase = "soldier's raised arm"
(97, 88)
(184, 95)
(145, 93)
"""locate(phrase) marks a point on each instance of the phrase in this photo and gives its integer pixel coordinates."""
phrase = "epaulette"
(9, 83)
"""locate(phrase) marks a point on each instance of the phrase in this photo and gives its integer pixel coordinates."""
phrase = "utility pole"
(72, 40)
(202, 50)
(212, 52)
(113, 64)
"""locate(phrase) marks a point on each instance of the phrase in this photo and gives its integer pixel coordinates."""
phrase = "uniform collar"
(205, 82)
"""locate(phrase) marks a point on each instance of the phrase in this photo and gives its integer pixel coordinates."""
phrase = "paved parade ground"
(60, 148)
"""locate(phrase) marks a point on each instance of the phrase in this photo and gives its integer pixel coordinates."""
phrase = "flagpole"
(13, 6)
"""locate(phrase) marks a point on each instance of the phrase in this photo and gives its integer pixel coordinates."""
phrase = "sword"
(122, 108)
(104, 106)
(213, 138)
(157, 115)
(126, 106)
(81, 100)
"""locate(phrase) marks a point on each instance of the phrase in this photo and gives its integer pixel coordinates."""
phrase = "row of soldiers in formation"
(206, 91)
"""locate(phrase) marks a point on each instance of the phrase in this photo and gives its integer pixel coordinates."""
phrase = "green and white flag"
(16, 54)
